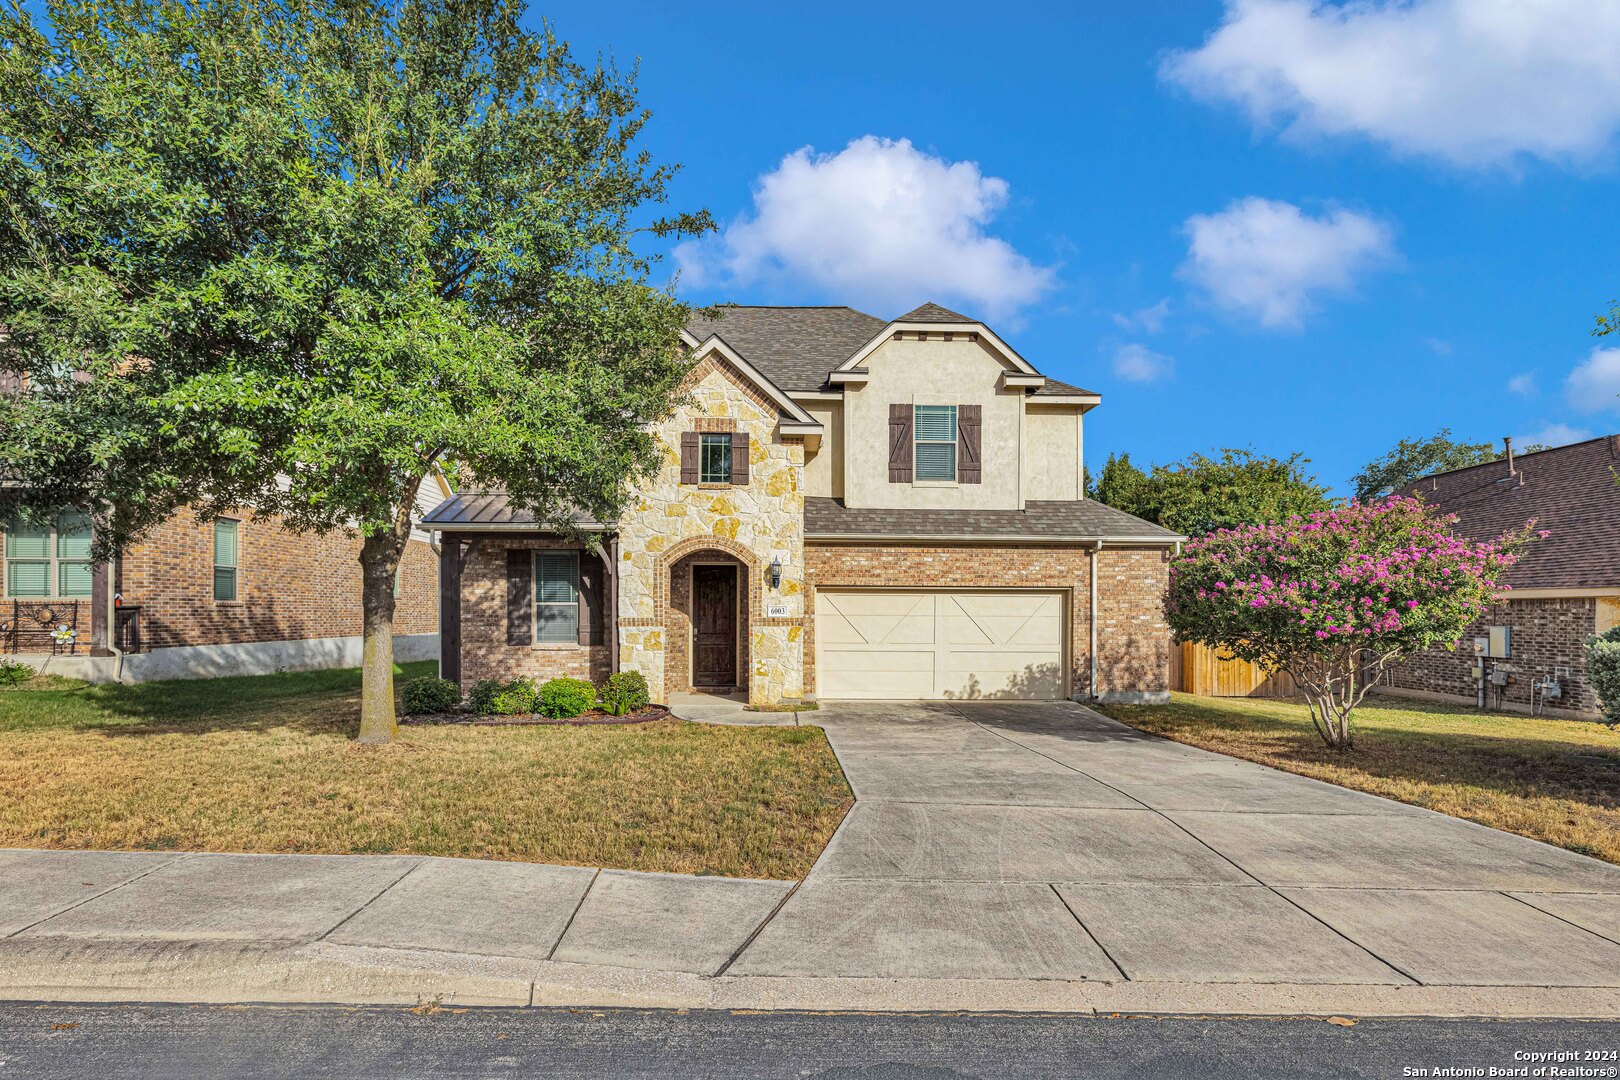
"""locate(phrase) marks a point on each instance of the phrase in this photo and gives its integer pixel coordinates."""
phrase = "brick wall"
(288, 587)
(1133, 640)
(484, 651)
(1546, 633)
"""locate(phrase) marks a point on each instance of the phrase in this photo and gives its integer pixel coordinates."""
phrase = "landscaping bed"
(590, 716)
(1553, 780)
(270, 764)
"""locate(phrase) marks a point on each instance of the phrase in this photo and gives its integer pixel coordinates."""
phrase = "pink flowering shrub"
(1336, 597)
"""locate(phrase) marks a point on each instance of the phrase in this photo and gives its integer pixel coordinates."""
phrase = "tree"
(1412, 459)
(1334, 598)
(1124, 487)
(1196, 496)
(292, 255)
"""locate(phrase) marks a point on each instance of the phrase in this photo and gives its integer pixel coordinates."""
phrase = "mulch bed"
(588, 718)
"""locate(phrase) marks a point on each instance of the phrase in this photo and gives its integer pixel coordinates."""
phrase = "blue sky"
(1250, 224)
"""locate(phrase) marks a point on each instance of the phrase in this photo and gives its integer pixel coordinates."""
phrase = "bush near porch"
(269, 764)
(1553, 780)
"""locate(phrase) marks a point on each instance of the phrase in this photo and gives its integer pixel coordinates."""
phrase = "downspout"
(1091, 620)
(112, 621)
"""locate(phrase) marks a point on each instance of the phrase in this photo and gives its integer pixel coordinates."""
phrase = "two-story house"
(847, 507)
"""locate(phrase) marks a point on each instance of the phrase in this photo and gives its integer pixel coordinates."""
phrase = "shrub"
(563, 699)
(1603, 670)
(14, 673)
(516, 698)
(625, 692)
(429, 695)
(481, 698)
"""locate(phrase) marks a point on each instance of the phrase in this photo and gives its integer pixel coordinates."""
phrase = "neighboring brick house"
(195, 599)
(847, 507)
(1566, 588)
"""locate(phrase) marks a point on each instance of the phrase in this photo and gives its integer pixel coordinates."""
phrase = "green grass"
(1554, 780)
(269, 764)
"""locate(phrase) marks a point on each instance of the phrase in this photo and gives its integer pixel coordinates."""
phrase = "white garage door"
(886, 643)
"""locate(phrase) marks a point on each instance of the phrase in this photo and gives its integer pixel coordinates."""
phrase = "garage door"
(887, 643)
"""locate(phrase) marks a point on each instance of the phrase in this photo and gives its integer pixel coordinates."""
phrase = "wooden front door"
(714, 626)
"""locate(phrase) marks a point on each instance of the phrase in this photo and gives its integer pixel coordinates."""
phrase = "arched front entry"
(710, 590)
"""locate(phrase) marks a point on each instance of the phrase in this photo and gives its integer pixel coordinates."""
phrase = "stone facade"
(1546, 633)
(753, 524)
(485, 653)
(1133, 639)
(289, 587)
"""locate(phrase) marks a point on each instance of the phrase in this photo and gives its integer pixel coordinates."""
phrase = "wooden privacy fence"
(1199, 669)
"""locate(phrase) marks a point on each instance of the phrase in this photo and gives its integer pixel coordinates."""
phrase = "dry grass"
(1554, 780)
(269, 765)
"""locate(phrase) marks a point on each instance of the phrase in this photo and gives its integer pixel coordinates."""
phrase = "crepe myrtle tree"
(1334, 598)
(294, 255)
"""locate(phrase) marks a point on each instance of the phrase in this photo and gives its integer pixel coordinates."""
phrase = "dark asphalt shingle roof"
(1571, 491)
(797, 347)
(1078, 519)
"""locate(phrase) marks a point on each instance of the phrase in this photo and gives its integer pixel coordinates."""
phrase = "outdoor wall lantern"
(776, 573)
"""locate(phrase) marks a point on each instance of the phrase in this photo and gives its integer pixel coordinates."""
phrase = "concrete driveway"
(1001, 840)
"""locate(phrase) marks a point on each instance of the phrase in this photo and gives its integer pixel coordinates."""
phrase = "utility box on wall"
(1497, 645)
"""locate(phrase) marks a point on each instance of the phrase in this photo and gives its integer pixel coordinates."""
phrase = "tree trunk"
(379, 563)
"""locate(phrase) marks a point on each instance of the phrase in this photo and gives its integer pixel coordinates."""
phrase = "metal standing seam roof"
(797, 347)
(489, 509)
(1571, 491)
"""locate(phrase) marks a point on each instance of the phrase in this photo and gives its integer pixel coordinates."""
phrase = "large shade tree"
(293, 255)
(1334, 598)
(1411, 459)
(1204, 493)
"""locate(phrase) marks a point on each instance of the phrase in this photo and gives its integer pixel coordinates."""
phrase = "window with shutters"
(556, 596)
(49, 560)
(714, 458)
(227, 557)
(935, 437)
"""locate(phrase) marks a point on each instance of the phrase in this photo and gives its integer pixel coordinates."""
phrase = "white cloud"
(1138, 363)
(1471, 81)
(1594, 385)
(879, 223)
(1439, 346)
(1524, 384)
(1149, 319)
(1550, 435)
(1265, 259)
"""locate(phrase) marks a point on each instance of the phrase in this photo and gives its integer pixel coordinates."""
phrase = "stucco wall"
(824, 466)
(932, 372)
(756, 523)
(1052, 451)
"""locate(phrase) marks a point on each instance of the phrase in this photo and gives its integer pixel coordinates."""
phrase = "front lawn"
(1554, 780)
(269, 764)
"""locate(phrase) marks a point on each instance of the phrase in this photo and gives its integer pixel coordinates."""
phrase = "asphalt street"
(308, 1042)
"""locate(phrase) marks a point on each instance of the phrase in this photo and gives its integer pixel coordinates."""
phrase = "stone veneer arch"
(674, 624)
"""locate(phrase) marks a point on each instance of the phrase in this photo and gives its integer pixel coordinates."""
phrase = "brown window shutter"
(591, 573)
(519, 596)
(739, 459)
(689, 457)
(899, 443)
(969, 439)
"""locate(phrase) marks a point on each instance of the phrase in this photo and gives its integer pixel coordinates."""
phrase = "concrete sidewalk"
(1000, 856)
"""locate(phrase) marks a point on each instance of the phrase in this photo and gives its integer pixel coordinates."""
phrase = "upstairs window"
(556, 596)
(935, 427)
(227, 555)
(49, 560)
(714, 458)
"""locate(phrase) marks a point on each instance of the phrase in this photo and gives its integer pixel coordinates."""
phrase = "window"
(49, 560)
(226, 558)
(714, 459)
(556, 596)
(936, 442)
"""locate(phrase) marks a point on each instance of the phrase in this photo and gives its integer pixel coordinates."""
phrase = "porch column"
(450, 560)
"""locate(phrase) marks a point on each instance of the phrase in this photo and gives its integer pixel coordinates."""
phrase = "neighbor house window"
(714, 459)
(936, 442)
(227, 553)
(49, 560)
(556, 596)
